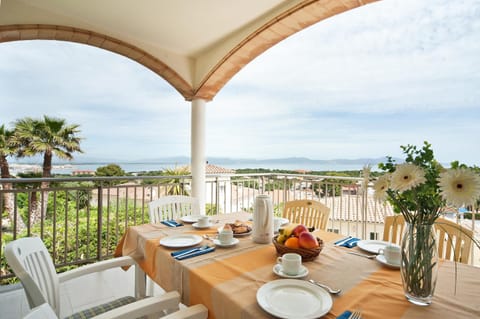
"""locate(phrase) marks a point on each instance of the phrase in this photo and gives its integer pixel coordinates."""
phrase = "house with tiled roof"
(214, 169)
(219, 187)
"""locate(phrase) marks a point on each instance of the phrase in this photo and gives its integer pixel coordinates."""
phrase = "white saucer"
(195, 225)
(277, 269)
(382, 260)
(230, 244)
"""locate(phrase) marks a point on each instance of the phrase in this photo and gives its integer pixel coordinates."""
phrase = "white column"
(198, 159)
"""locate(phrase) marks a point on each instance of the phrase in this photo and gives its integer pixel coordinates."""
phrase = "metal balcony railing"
(81, 219)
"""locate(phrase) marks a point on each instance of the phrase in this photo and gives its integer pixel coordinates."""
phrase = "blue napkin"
(195, 252)
(350, 243)
(171, 223)
(341, 241)
(345, 315)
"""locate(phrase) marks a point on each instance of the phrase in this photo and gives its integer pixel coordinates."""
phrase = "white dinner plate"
(278, 270)
(184, 240)
(190, 219)
(242, 234)
(283, 221)
(372, 246)
(292, 298)
(237, 235)
(382, 260)
(230, 244)
(195, 225)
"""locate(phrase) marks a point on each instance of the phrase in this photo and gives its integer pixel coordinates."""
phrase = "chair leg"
(150, 286)
(140, 278)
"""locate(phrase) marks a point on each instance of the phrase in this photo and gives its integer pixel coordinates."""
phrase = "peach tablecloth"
(226, 281)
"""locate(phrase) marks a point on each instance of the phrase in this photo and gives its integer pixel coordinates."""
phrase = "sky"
(357, 85)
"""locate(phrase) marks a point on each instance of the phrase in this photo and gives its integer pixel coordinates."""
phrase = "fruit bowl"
(308, 254)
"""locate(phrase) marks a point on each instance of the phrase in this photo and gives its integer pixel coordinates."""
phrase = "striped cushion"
(89, 313)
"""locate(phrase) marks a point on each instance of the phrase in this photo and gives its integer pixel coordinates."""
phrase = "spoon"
(207, 237)
(330, 290)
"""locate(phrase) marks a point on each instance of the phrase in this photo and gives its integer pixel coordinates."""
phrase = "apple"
(307, 240)
(299, 229)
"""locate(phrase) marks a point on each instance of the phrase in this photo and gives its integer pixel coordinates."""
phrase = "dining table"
(227, 279)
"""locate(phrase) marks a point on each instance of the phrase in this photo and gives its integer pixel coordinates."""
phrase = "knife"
(189, 251)
(199, 251)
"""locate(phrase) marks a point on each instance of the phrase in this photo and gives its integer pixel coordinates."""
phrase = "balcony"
(81, 219)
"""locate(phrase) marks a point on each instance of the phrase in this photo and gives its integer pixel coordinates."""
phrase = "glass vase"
(419, 263)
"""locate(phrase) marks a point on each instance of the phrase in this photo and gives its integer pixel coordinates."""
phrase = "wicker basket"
(307, 254)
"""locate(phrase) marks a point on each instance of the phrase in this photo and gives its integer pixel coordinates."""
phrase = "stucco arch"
(61, 33)
(274, 31)
(214, 67)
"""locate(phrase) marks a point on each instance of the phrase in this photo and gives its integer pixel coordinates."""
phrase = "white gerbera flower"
(380, 186)
(459, 186)
(407, 176)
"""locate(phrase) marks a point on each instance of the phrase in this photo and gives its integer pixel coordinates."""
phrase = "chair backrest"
(172, 207)
(310, 213)
(30, 261)
(393, 230)
(454, 241)
(43, 311)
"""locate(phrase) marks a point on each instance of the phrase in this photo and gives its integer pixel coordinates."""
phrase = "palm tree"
(7, 149)
(176, 185)
(50, 137)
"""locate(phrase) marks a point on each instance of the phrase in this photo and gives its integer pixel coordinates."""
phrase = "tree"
(48, 136)
(7, 149)
(176, 185)
(109, 170)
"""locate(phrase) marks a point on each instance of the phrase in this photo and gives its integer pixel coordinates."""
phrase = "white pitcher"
(263, 220)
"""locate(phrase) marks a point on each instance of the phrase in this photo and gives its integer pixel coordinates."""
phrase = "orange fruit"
(292, 242)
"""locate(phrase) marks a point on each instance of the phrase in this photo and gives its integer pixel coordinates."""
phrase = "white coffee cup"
(392, 253)
(203, 221)
(291, 263)
(225, 236)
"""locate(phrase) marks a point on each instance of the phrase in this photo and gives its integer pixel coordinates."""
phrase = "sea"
(67, 169)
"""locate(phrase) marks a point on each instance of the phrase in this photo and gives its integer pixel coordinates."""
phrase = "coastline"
(67, 169)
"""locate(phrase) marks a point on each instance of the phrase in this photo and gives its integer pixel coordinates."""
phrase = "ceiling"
(195, 45)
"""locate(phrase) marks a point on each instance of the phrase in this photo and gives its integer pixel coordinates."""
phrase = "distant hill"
(215, 160)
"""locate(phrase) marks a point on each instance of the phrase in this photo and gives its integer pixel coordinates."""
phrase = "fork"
(356, 315)
(362, 255)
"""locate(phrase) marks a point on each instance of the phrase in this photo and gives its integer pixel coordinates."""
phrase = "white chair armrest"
(96, 267)
(44, 311)
(193, 312)
(144, 307)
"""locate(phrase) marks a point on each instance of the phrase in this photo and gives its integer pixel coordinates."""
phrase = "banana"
(281, 238)
(288, 229)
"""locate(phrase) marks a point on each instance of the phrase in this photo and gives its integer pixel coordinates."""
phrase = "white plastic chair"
(31, 262)
(172, 207)
(454, 241)
(393, 229)
(310, 213)
(167, 208)
(134, 310)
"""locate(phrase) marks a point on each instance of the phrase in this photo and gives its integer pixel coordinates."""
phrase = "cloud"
(359, 84)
